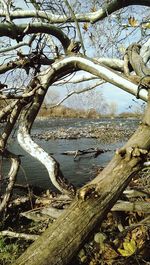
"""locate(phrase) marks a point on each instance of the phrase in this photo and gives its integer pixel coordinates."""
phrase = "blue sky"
(123, 99)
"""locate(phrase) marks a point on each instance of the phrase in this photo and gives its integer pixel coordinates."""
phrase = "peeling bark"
(136, 61)
(48, 161)
(26, 142)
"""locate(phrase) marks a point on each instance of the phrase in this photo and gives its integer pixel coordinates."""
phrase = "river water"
(78, 171)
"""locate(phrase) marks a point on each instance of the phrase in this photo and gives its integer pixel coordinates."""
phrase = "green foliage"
(8, 252)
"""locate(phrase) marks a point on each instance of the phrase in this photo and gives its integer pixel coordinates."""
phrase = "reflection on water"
(79, 171)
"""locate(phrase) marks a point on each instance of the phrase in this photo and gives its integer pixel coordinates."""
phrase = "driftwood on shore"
(45, 213)
(18, 235)
(91, 151)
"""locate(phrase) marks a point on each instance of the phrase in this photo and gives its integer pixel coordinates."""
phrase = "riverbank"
(66, 112)
(107, 133)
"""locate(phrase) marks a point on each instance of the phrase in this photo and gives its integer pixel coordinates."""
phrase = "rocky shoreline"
(108, 133)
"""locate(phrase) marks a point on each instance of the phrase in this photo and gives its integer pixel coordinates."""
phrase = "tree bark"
(15, 163)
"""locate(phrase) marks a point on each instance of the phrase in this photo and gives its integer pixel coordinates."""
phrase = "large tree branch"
(22, 63)
(74, 63)
(145, 51)
(26, 142)
(108, 8)
(19, 31)
(47, 160)
(113, 63)
(136, 61)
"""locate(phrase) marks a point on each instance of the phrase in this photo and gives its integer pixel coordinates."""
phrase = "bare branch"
(10, 124)
(22, 63)
(15, 163)
(92, 17)
(6, 110)
(8, 233)
(6, 5)
(26, 94)
(77, 92)
(34, 149)
(21, 44)
(94, 68)
(77, 25)
(19, 31)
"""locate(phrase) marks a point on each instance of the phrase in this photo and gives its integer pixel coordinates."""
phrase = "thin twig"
(77, 25)
(77, 92)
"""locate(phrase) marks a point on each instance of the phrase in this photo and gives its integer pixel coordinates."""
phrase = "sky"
(125, 102)
(123, 99)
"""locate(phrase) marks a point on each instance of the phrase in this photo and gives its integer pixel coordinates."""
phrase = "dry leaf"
(85, 26)
(129, 248)
(132, 21)
(109, 253)
(93, 9)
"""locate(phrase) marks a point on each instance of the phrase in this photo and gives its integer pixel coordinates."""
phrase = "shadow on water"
(77, 171)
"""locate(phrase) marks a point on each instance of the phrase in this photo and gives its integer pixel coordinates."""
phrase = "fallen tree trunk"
(61, 241)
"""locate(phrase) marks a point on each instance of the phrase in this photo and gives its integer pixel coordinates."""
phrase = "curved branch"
(108, 8)
(19, 31)
(112, 63)
(48, 161)
(136, 61)
(145, 51)
(74, 63)
(77, 25)
(76, 79)
(36, 151)
(15, 163)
